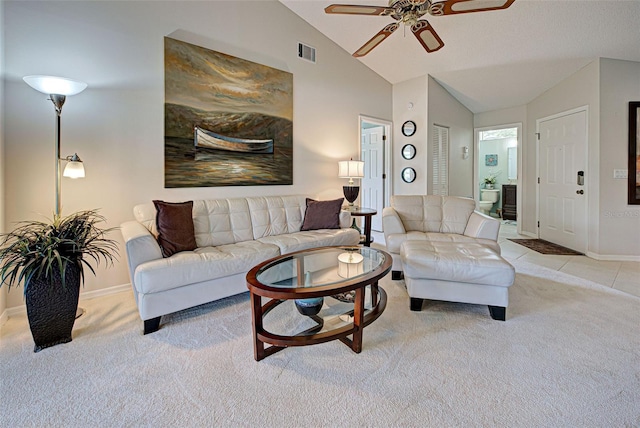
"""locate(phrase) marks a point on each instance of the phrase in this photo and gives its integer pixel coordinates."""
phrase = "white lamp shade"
(351, 169)
(55, 85)
(74, 169)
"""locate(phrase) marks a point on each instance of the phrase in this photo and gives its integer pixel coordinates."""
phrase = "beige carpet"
(568, 355)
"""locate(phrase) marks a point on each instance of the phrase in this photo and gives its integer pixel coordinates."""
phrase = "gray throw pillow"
(322, 214)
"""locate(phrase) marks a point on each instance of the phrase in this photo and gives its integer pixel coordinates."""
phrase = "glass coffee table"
(315, 296)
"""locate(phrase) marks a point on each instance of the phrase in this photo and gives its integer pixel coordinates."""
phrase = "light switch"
(620, 173)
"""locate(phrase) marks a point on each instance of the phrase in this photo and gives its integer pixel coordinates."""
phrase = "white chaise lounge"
(447, 251)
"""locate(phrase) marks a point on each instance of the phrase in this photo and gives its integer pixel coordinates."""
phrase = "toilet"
(488, 197)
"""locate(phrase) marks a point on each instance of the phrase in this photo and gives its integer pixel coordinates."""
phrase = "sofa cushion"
(276, 215)
(430, 213)
(469, 262)
(394, 241)
(203, 264)
(174, 223)
(221, 222)
(311, 239)
(322, 214)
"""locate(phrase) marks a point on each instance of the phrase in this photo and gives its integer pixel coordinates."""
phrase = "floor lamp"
(58, 89)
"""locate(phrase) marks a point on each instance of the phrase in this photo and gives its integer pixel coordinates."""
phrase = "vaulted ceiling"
(491, 60)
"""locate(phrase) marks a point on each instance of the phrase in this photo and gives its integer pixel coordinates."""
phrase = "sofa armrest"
(140, 244)
(345, 219)
(391, 223)
(482, 226)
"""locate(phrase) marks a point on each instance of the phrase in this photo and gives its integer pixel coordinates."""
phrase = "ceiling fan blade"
(376, 40)
(453, 7)
(348, 9)
(427, 36)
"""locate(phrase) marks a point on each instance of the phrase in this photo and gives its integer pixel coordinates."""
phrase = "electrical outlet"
(620, 173)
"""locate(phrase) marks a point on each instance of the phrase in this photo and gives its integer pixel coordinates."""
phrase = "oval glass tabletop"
(321, 267)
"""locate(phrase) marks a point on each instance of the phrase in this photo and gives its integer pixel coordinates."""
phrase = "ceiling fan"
(409, 13)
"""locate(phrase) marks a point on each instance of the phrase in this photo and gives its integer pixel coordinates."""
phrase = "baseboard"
(104, 292)
(615, 258)
(22, 309)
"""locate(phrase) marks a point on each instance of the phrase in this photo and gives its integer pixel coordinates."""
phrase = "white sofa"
(447, 251)
(232, 236)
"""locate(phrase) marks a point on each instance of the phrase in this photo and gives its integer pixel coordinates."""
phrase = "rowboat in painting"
(210, 140)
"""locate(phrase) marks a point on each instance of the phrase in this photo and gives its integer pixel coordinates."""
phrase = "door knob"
(580, 192)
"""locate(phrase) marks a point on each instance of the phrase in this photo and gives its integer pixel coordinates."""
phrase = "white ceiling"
(491, 60)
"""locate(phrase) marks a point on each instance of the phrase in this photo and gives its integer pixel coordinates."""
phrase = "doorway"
(562, 192)
(375, 151)
(497, 166)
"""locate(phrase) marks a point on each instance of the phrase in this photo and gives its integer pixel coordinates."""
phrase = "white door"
(562, 158)
(372, 147)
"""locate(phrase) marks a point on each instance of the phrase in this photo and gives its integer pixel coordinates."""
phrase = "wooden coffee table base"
(308, 337)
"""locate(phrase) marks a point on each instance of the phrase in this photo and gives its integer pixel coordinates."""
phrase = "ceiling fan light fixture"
(409, 13)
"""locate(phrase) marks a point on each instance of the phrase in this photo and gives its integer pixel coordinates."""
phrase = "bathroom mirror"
(408, 128)
(408, 151)
(408, 175)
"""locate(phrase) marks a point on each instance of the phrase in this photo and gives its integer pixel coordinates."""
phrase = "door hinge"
(538, 135)
(538, 224)
(384, 138)
(538, 180)
(384, 176)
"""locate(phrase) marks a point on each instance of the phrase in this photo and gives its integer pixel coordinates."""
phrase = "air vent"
(306, 52)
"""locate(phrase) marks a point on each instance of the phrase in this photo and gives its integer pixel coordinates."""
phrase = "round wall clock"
(408, 175)
(408, 151)
(408, 128)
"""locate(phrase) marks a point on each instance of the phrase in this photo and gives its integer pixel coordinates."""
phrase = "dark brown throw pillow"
(322, 214)
(174, 221)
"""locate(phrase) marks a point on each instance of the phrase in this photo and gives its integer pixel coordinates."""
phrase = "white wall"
(606, 86)
(116, 125)
(3, 289)
(445, 110)
(426, 102)
(501, 117)
(410, 103)
(619, 222)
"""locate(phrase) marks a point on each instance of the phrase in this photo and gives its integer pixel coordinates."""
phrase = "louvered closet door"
(440, 161)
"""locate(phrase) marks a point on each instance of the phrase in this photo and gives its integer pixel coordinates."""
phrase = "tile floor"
(622, 276)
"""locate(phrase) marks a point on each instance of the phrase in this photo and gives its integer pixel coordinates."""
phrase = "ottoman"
(457, 272)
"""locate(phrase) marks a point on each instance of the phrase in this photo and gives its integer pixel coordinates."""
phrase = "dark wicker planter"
(51, 309)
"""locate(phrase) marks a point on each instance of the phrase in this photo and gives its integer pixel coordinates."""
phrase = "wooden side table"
(367, 213)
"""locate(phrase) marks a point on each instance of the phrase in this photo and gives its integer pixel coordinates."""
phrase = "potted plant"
(49, 259)
(489, 181)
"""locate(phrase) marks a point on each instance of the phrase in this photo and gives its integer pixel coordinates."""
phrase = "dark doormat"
(546, 247)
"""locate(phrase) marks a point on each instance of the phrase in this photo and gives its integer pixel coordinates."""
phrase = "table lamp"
(351, 169)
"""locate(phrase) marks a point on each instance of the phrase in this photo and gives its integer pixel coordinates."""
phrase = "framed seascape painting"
(634, 153)
(227, 121)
